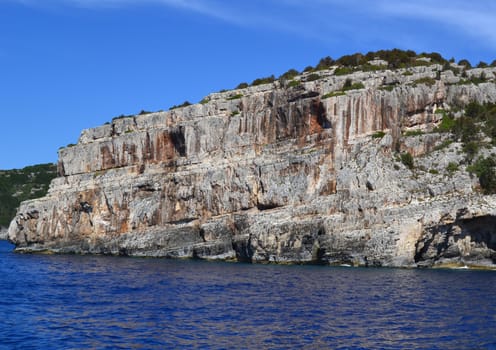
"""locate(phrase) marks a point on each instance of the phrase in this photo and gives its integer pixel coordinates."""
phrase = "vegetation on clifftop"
(22, 184)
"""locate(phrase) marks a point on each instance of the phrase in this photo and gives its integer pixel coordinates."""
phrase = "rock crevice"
(273, 174)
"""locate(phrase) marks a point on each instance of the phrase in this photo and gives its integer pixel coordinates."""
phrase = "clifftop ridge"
(363, 165)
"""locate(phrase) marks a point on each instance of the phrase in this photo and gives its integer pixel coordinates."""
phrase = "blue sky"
(67, 65)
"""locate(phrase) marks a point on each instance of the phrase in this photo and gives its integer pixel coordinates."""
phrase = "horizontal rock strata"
(276, 173)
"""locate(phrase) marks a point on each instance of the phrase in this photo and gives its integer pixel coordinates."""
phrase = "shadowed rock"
(285, 175)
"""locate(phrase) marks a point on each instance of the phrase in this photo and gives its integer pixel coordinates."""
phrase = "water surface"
(69, 301)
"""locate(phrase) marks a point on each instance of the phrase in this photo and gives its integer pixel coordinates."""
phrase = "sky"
(68, 65)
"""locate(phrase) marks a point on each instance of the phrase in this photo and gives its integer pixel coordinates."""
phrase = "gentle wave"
(85, 302)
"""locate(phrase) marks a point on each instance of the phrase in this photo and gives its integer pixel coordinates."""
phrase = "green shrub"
(371, 68)
(18, 185)
(294, 83)
(378, 134)
(343, 70)
(290, 74)
(448, 66)
(465, 63)
(242, 86)
(349, 85)
(234, 97)
(466, 129)
(435, 57)
(353, 60)
(205, 101)
(451, 167)
(443, 145)
(413, 133)
(471, 149)
(387, 88)
(479, 80)
(184, 104)
(447, 124)
(355, 86)
(474, 109)
(484, 169)
(433, 171)
(266, 80)
(396, 58)
(407, 160)
(426, 80)
(122, 116)
(418, 63)
(313, 77)
(325, 63)
(483, 116)
(333, 94)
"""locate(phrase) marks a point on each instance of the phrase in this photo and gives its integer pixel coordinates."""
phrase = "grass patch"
(407, 160)
(343, 70)
(427, 81)
(354, 86)
(312, 77)
(413, 133)
(334, 94)
(387, 88)
(443, 145)
(447, 123)
(451, 168)
(294, 83)
(378, 134)
(234, 97)
(372, 68)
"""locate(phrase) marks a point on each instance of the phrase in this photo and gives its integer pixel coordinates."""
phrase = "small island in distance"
(378, 159)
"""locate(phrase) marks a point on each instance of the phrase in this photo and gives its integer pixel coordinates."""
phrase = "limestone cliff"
(286, 172)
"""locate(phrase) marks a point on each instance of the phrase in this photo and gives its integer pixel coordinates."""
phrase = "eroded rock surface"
(276, 174)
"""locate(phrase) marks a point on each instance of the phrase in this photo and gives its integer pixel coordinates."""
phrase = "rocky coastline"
(302, 171)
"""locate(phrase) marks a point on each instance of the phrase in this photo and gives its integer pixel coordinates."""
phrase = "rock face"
(3, 233)
(286, 173)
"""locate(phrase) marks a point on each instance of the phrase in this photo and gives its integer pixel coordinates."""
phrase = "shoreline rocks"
(300, 174)
(4, 233)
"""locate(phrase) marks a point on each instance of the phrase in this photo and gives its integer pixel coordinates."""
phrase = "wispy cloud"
(475, 18)
(331, 20)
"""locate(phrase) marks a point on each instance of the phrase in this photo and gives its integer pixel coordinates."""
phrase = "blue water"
(95, 302)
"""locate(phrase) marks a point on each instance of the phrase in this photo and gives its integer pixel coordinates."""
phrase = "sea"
(102, 302)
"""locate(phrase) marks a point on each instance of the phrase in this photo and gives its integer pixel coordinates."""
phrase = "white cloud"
(329, 20)
(475, 18)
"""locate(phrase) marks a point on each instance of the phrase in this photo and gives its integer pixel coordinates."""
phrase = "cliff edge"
(325, 168)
